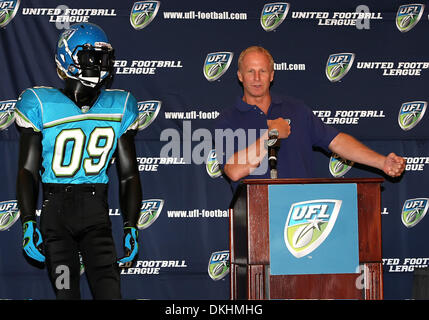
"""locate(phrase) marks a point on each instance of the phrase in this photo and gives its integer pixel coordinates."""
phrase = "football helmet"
(85, 54)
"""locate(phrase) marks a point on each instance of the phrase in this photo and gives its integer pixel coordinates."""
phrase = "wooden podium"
(250, 250)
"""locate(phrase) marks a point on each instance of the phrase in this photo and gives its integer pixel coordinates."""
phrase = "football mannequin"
(68, 138)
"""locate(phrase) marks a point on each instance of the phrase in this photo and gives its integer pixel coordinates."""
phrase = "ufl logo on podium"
(413, 211)
(143, 13)
(216, 64)
(308, 224)
(218, 265)
(411, 113)
(148, 111)
(273, 14)
(408, 16)
(8, 10)
(149, 212)
(338, 65)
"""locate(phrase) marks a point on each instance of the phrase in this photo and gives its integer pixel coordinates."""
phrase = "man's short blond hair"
(257, 49)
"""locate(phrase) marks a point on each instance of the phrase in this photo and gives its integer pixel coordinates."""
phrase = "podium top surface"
(312, 180)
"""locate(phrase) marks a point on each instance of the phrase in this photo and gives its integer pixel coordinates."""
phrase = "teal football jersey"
(78, 144)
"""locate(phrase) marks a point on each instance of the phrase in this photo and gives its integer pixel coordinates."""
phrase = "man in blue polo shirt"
(242, 149)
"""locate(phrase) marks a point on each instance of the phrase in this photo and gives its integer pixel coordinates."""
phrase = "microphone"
(273, 144)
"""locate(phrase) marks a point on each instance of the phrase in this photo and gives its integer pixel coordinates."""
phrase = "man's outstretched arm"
(350, 148)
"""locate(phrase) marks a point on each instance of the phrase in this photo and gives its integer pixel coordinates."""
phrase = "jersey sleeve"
(28, 111)
(130, 115)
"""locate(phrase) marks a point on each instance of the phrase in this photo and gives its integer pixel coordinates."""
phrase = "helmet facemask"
(94, 64)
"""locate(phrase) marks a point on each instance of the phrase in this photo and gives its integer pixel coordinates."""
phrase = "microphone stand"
(273, 144)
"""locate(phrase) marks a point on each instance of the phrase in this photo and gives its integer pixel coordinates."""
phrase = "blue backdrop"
(162, 59)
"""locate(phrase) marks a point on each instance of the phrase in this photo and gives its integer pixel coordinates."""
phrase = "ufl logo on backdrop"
(148, 111)
(338, 65)
(309, 223)
(219, 265)
(149, 212)
(413, 211)
(8, 10)
(9, 214)
(212, 165)
(408, 16)
(411, 113)
(7, 113)
(338, 166)
(143, 13)
(273, 14)
(216, 64)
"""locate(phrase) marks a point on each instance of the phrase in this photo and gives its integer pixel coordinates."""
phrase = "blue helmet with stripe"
(85, 54)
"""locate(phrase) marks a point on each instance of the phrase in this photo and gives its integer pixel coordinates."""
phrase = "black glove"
(131, 247)
(32, 243)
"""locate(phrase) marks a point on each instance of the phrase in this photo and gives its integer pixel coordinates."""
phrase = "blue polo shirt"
(295, 154)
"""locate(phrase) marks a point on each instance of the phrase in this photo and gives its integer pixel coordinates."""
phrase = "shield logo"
(216, 64)
(218, 265)
(65, 36)
(212, 165)
(413, 211)
(408, 16)
(9, 214)
(8, 10)
(148, 111)
(338, 65)
(7, 113)
(338, 166)
(273, 14)
(411, 113)
(143, 12)
(150, 211)
(308, 225)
